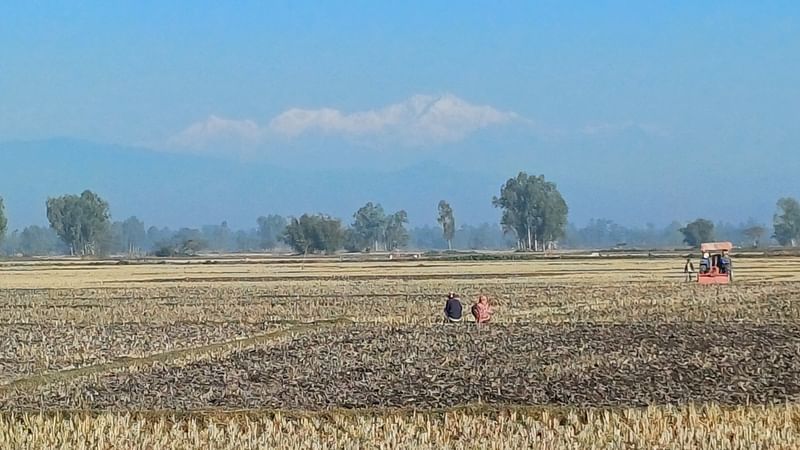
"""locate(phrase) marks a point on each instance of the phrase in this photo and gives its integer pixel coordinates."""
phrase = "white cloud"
(216, 130)
(420, 120)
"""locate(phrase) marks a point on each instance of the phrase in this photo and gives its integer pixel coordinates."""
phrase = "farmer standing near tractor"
(688, 270)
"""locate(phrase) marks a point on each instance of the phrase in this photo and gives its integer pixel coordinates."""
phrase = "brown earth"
(358, 366)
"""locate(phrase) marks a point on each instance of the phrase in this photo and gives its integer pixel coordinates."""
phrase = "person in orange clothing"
(481, 310)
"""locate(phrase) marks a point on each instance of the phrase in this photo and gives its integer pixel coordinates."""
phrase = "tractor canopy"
(716, 247)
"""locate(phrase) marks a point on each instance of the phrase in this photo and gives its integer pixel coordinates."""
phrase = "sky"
(633, 108)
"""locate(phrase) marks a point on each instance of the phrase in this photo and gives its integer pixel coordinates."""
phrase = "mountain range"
(182, 189)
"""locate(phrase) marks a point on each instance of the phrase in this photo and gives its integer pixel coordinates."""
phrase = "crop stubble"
(47, 330)
(553, 343)
(367, 366)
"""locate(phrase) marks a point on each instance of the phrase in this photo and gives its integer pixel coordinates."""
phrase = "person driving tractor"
(716, 265)
(725, 264)
(705, 263)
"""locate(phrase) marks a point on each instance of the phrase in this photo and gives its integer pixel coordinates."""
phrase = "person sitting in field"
(481, 310)
(452, 308)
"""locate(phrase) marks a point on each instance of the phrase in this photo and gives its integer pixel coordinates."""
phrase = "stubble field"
(615, 353)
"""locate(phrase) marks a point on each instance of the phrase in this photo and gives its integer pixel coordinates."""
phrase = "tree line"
(605, 233)
(534, 218)
(786, 228)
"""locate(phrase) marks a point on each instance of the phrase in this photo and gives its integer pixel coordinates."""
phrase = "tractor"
(715, 265)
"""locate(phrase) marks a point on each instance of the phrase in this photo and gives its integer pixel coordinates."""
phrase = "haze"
(188, 113)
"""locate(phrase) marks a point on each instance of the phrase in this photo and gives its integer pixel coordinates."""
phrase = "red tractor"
(715, 264)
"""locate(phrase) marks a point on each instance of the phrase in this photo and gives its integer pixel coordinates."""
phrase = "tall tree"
(296, 234)
(697, 232)
(787, 222)
(3, 220)
(270, 230)
(372, 228)
(448, 223)
(553, 222)
(369, 225)
(328, 234)
(314, 233)
(79, 220)
(395, 234)
(533, 209)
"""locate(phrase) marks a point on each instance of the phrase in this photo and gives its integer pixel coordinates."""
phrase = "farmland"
(330, 353)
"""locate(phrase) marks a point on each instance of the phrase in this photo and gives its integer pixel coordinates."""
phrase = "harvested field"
(368, 366)
(407, 302)
(585, 270)
(611, 352)
(30, 349)
(662, 427)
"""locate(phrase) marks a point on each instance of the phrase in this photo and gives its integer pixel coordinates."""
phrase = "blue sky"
(584, 92)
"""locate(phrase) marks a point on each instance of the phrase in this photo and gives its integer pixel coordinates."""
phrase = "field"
(330, 353)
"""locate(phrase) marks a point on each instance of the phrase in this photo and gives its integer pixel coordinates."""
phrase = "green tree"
(270, 230)
(786, 222)
(368, 225)
(372, 228)
(80, 221)
(297, 235)
(3, 220)
(328, 235)
(314, 233)
(395, 233)
(448, 223)
(697, 232)
(534, 210)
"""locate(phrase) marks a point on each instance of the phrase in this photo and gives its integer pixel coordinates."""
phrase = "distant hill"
(188, 190)
(596, 179)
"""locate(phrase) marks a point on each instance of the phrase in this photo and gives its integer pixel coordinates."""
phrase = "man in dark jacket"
(452, 308)
(726, 265)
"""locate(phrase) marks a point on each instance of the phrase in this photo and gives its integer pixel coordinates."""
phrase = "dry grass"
(48, 330)
(78, 274)
(569, 336)
(400, 302)
(663, 427)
